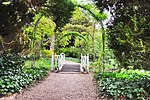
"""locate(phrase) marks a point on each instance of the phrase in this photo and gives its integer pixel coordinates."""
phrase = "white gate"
(84, 66)
(58, 62)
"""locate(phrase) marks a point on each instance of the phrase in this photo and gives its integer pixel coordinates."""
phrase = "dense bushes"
(128, 32)
(14, 76)
(47, 53)
(70, 52)
(127, 84)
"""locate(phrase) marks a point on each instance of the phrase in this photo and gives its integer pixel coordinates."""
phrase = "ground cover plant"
(125, 84)
(14, 75)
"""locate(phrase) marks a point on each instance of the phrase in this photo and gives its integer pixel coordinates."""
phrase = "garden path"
(61, 86)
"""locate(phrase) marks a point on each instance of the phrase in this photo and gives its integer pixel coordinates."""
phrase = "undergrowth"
(127, 84)
(14, 75)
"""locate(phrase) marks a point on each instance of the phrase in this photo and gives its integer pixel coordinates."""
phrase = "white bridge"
(59, 64)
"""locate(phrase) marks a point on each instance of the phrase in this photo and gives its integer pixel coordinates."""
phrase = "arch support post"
(88, 64)
(84, 66)
(53, 62)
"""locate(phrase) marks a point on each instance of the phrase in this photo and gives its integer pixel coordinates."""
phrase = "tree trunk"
(55, 42)
(38, 48)
(33, 41)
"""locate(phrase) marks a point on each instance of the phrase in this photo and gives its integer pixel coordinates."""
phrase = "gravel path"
(60, 86)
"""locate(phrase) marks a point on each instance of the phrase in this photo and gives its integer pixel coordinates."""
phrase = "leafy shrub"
(130, 84)
(14, 76)
(70, 52)
(11, 76)
(36, 73)
(47, 53)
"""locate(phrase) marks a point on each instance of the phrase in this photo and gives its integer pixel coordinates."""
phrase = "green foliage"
(129, 84)
(11, 73)
(14, 76)
(82, 20)
(99, 16)
(110, 60)
(128, 48)
(70, 52)
(42, 63)
(10, 60)
(74, 34)
(129, 31)
(39, 34)
(60, 11)
(44, 29)
(78, 29)
(47, 53)
(93, 11)
(83, 25)
(36, 73)
(13, 16)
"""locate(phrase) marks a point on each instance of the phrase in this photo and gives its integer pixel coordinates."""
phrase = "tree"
(128, 31)
(61, 12)
(43, 34)
(82, 26)
(14, 15)
(99, 16)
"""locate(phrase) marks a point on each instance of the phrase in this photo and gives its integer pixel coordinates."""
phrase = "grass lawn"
(42, 62)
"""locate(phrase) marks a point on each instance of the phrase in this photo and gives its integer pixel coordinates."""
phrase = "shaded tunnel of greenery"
(114, 33)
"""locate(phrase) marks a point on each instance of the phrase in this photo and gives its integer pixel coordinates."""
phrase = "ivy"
(14, 76)
(129, 84)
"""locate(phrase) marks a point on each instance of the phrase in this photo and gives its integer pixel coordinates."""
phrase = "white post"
(85, 63)
(84, 66)
(56, 62)
(52, 63)
(64, 59)
(81, 65)
(88, 63)
(59, 62)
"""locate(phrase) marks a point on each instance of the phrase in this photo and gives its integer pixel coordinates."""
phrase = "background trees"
(42, 36)
(128, 31)
(33, 27)
(81, 25)
(61, 12)
(13, 16)
(26, 27)
(20, 13)
(84, 25)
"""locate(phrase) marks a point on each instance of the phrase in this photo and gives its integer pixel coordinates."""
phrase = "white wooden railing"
(57, 61)
(84, 66)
